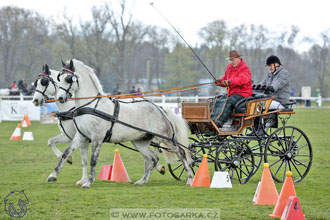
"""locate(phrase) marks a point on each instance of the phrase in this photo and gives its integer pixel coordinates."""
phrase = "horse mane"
(81, 68)
(54, 74)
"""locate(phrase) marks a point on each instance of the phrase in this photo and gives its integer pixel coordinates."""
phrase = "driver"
(237, 79)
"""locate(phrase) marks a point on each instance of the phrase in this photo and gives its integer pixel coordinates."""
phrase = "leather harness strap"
(63, 116)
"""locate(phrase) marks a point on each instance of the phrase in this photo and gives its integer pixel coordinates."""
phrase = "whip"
(152, 4)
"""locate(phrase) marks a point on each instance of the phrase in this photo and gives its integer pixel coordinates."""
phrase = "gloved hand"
(217, 82)
(258, 87)
(270, 89)
(225, 83)
(263, 87)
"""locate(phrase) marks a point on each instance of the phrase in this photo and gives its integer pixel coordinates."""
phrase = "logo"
(15, 204)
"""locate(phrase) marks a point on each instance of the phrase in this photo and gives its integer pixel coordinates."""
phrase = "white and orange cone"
(16, 136)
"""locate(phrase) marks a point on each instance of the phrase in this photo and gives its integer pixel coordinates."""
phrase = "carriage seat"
(241, 105)
(288, 106)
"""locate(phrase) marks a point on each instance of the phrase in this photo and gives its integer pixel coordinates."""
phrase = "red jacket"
(240, 79)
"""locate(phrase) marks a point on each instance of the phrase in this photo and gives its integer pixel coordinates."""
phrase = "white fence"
(14, 107)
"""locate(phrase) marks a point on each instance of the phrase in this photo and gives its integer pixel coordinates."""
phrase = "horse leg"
(183, 157)
(84, 161)
(77, 142)
(150, 160)
(61, 138)
(160, 168)
(96, 147)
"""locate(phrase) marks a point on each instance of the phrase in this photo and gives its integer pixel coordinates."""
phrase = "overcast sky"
(312, 17)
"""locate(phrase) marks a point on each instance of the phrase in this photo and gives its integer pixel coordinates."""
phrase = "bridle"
(70, 78)
(45, 79)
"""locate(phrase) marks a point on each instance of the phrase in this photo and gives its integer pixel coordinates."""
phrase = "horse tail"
(180, 127)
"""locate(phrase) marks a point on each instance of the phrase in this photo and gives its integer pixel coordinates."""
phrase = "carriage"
(251, 135)
(254, 133)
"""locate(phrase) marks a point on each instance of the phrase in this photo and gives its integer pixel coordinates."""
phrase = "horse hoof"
(85, 186)
(189, 181)
(162, 171)
(139, 183)
(69, 160)
(51, 179)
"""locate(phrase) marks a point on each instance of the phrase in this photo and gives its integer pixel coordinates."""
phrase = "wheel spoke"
(302, 147)
(238, 176)
(177, 167)
(271, 144)
(281, 159)
(278, 169)
(285, 169)
(299, 163)
(181, 173)
(242, 171)
(296, 169)
(279, 141)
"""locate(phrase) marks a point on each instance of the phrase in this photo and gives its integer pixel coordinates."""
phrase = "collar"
(280, 68)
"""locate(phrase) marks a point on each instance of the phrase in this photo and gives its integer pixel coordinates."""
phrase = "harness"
(45, 78)
(82, 110)
(62, 116)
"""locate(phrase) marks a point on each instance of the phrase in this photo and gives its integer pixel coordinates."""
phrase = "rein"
(143, 94)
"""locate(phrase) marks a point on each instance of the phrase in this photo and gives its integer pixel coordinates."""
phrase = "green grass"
(25, 165)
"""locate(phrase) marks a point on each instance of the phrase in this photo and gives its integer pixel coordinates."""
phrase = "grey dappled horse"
(78, 79)
(46, 87)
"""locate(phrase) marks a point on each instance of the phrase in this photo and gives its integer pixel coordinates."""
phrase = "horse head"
(45, 86)
(68, 82)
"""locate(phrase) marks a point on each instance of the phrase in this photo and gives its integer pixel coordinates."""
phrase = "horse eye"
(68, 79)
(44, 81)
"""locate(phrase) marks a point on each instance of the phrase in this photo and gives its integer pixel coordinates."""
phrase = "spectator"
(132, 90)
(138, 91)
(13, 85)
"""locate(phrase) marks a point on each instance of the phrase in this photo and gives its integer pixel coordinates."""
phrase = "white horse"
(139, 122)
(46, 86)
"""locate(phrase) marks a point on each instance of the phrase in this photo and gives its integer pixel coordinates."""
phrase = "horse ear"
(63, 64)
(43, 68)
(71, 67)
(47, 69)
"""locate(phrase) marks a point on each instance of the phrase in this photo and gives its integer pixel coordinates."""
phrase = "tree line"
(123, 51)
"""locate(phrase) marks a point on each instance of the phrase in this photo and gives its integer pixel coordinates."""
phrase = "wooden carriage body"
(198, 115)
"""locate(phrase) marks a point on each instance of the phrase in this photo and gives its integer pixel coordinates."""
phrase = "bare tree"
(96, 39)
(319, 56)
(22, 36)
(69, 33)
(126, 35)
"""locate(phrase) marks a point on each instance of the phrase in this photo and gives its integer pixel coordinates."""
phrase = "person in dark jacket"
(277, 83)
(237, 79)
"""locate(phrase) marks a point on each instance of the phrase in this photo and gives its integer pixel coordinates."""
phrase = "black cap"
(272, 59)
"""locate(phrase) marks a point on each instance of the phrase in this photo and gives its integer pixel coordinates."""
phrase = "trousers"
(223, 107)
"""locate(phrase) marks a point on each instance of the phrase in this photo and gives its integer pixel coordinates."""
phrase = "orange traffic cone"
(118, 173)
(105, 173)
(17, 133)
(267, 193)
(293, 210)
(286, 191)
(202, 177)
(26, 121)
(303, 105)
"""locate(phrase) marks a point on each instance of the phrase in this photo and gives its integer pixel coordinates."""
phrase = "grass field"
(25, 165)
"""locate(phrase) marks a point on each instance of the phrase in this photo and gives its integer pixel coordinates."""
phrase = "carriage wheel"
(237, 159)
(256, 145)
(288, 148)
(177, 169)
